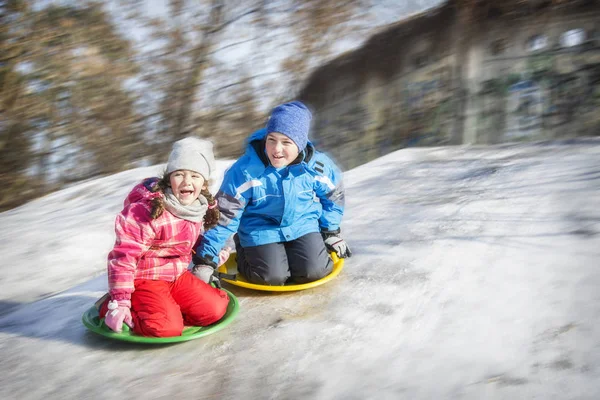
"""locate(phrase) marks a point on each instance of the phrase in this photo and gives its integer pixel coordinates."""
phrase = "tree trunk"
(194, 75)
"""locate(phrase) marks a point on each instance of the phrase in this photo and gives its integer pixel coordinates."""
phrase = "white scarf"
(194, 212)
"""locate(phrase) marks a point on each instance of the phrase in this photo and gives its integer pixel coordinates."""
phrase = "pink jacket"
(146, 248)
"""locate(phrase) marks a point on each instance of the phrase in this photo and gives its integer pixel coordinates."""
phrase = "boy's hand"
(334, 242)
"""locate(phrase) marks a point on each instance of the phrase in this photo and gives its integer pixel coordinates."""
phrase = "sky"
(474, 276)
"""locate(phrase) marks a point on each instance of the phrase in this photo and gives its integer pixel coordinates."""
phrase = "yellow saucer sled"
(230, 268)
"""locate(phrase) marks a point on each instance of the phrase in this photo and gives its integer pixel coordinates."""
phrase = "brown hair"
(158, 206)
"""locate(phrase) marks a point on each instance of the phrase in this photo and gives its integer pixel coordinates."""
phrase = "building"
(491, 73)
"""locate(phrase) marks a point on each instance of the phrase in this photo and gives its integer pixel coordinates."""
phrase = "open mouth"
(186, 192)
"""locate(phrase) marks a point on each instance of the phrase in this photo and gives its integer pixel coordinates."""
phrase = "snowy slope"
(475, 276)
(63, 239)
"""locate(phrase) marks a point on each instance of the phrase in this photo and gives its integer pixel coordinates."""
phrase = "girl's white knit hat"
(193, 154)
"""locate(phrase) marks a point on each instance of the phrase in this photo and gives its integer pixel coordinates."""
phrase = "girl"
(150, 288)
(284, 202)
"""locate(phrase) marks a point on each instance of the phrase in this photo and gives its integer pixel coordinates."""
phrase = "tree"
(15, 146)
(317, 25)
(65, 107)
(189, 85)
(79, 99)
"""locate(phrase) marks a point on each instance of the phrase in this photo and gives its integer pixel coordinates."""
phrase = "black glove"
(334, 242)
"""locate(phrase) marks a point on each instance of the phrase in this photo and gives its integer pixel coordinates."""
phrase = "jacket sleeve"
(329, 188)
(232, 198)
(134, 236)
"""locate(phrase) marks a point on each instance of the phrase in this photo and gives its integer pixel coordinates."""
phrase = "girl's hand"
(224, 255)
(118, 312)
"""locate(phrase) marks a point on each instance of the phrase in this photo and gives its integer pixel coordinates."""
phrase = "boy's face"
(186, 185)
(281, 150)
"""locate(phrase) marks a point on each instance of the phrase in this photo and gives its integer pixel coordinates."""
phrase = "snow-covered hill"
(475, 275)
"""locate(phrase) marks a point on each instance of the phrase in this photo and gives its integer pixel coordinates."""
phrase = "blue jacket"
(268, 205)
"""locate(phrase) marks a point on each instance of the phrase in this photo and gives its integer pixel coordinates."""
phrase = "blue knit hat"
(293, 120)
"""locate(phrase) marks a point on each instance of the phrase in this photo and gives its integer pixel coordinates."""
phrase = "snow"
(475, 275)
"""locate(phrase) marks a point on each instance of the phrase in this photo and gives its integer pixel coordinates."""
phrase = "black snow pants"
(298, 261)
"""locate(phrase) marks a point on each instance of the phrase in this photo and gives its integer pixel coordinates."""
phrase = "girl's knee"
(208, 311)
(216, 311)
(158, 325)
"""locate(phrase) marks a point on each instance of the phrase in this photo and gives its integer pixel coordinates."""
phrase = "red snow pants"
(161, 309)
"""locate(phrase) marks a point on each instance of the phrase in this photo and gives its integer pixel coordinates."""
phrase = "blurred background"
(91, 88)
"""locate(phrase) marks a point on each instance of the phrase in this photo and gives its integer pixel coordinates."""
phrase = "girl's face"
(186, 185)
(281, 150)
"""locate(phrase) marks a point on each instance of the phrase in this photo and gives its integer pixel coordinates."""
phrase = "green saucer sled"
(92, 321)
(229, 269)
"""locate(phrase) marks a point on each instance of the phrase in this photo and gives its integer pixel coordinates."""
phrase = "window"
(537, 42)
(572, 38)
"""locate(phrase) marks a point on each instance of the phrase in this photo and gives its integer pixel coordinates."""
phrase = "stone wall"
(523, 77)
(540, 80)
(388, 95)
